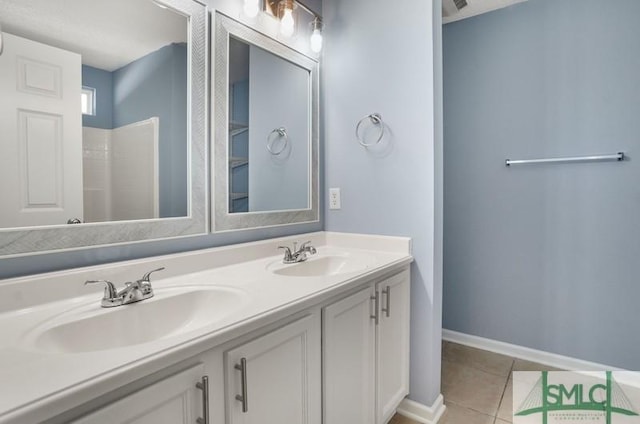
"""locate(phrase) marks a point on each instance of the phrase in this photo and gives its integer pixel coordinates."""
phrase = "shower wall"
(120, 168)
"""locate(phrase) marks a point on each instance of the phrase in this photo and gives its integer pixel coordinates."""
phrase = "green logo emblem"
(606, 397)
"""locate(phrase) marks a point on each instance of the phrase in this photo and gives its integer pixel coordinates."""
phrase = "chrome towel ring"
(376, 119)
(282, 132)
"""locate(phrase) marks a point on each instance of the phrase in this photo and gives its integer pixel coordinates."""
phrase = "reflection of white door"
(40, 134)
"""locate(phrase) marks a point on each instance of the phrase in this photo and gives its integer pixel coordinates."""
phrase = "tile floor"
(477, 385)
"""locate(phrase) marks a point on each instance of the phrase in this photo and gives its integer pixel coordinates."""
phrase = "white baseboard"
(521, 352)
(422, 413)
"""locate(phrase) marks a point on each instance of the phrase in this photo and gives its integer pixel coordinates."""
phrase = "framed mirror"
(266, 130)
(103, 123)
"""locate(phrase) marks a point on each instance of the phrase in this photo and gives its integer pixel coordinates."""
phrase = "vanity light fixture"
(283, 10)
(315, 42)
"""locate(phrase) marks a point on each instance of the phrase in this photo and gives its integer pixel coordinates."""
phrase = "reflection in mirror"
(266, 130)
(132, 77)
(269, 131)
(93, 113)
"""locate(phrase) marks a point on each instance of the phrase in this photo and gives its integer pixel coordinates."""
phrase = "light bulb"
(316, 41)
(287, 24)
(251, 8)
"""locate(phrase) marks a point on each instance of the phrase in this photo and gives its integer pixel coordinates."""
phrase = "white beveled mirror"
(266, 130)
(103, 122)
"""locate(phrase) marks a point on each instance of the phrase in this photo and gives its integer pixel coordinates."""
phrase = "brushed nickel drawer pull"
(242, 367)
(376, 307)
(387, 308)
(204, 386)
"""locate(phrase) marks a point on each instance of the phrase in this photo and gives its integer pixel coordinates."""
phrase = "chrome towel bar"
(595, 158)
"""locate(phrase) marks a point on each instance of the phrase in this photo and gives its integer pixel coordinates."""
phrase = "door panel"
(282, 376)
(393, 345)
(348, 360)
(41, 134)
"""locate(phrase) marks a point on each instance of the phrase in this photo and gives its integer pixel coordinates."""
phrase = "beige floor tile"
(490, 362)
(472, 388)
(499, 421)
(505, 411)
(522, 365)
(456, 414)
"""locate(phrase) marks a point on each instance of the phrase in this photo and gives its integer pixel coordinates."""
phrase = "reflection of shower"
(121, 172)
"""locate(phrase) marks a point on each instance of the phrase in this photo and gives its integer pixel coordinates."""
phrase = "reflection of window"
(88, 98)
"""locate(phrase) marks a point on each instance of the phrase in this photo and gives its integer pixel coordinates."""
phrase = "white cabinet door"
(392, 361)
(349, 361)
(174, 400)
(279, 382)
(40, 134)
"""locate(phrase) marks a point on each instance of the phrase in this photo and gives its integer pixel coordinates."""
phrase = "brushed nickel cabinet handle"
(387, 308)
(376, 307)
(242, 367)
(204, 386)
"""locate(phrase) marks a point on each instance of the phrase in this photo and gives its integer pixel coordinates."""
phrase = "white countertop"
(37, 384)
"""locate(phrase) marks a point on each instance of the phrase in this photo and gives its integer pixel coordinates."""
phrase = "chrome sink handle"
(303, 246)
(145, 282)
(288, 256)
(306, 247)
(110, 292)
(147, 277)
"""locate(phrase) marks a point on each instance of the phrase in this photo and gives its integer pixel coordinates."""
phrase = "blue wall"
(544, 256)
(156, 85)
(102, 81)
(391, 68)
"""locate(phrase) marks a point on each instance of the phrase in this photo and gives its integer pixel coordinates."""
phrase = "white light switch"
(334, 198)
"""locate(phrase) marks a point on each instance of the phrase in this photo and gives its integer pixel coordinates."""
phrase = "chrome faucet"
(297, 255)
(132, 292)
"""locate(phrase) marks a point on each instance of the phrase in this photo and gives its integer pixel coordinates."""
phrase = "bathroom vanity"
(232, 335)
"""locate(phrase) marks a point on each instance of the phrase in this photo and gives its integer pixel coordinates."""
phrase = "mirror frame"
(226, 27)
(36, 240)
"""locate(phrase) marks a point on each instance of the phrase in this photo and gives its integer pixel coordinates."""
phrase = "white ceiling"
(478, 7)
(107, 33)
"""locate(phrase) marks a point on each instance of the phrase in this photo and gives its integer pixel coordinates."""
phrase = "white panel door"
(41, 134)
(393, 345)
(282, 375)
(348, 360)
(175, 400)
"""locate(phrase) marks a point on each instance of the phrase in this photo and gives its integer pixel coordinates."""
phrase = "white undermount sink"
(322, 266)
(171, 312)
